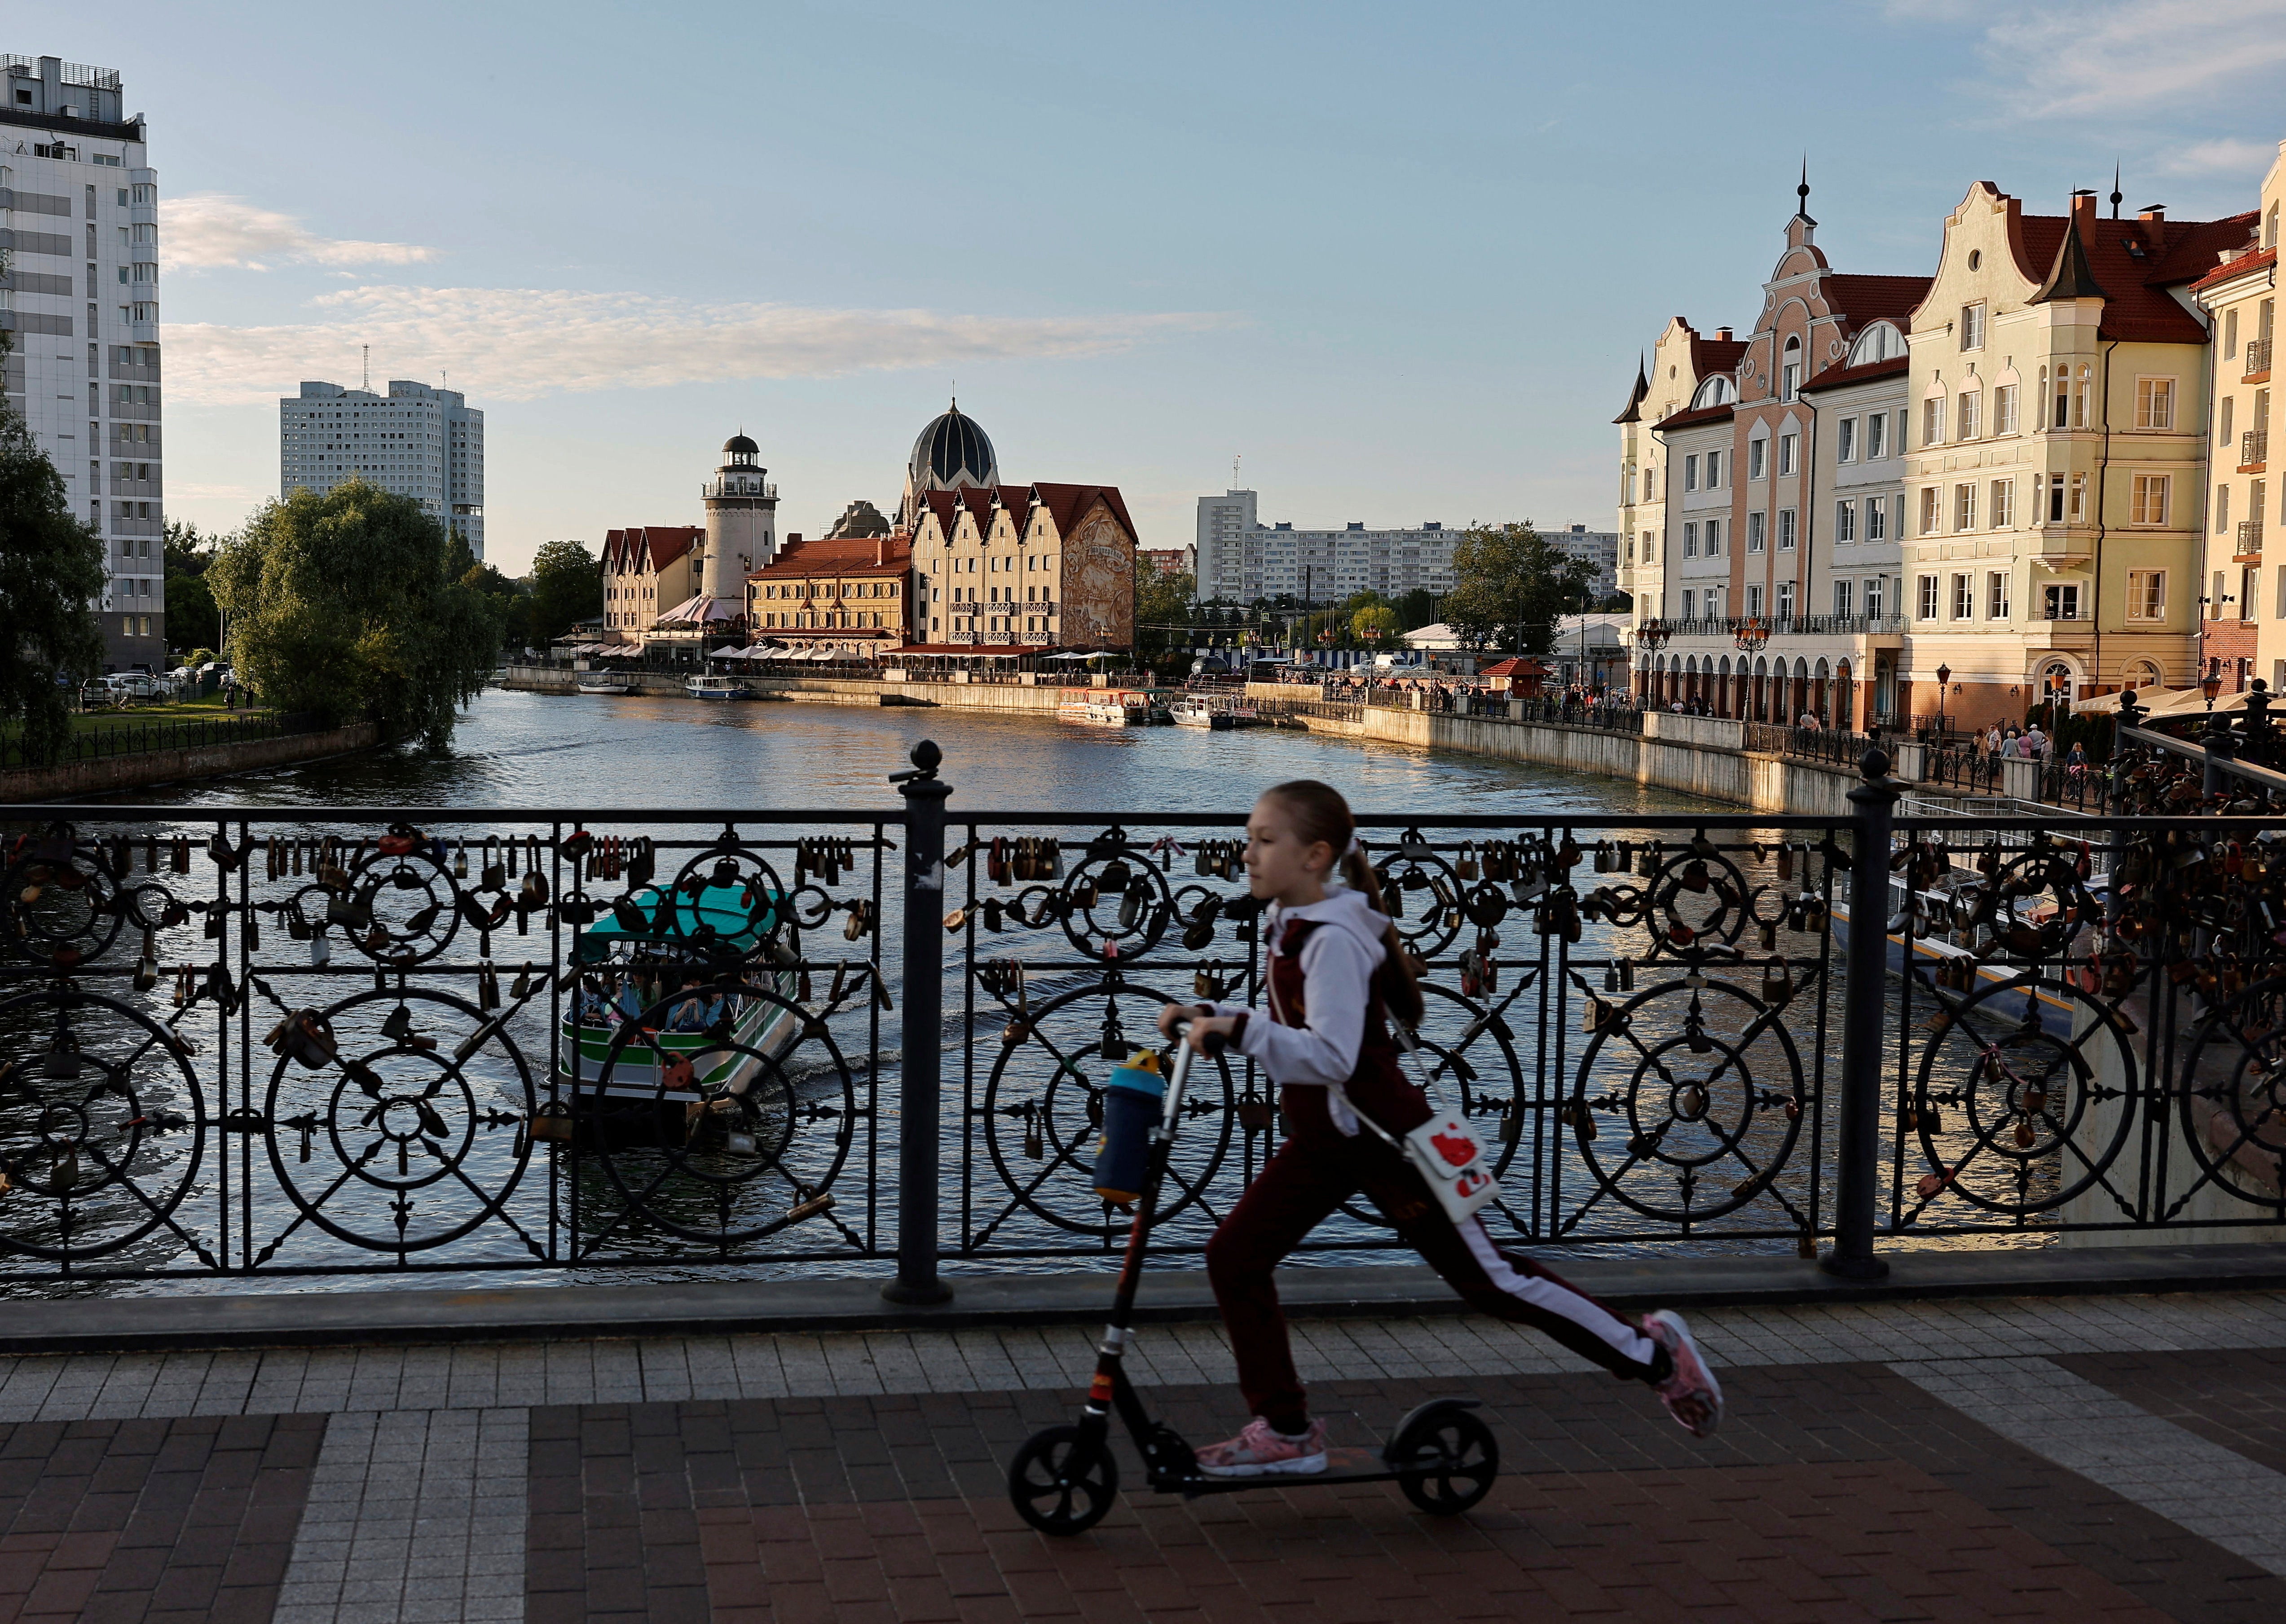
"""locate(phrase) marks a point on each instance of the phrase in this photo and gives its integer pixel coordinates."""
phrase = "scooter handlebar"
(1215, 1043)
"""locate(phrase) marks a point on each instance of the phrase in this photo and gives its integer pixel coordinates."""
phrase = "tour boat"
(1939, 939)
(716, 688)
(606, 683)
(1105, 707)
(660, 1082)
(1195, 711)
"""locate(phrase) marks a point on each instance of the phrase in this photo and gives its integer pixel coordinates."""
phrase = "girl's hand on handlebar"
(1172, 1016)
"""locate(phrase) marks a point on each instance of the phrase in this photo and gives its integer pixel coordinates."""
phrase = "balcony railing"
(1790, 625)
(2249, 537)
(2258, 358)
(2253, 448)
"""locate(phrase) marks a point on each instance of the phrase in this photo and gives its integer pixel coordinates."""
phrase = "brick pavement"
(2081, 1457)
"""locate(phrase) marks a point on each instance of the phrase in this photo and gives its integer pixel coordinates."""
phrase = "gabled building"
(2244, 634)
(847, 593)
(2058, 405)
(647, 570)
(1010, 569)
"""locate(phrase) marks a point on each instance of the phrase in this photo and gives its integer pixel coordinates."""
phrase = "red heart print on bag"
(1458, 1149)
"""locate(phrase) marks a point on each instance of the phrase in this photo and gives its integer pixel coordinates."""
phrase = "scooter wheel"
(1457, 1458)
(1061, 1484)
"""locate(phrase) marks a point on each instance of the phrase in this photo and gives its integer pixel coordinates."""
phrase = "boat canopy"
(718, 913)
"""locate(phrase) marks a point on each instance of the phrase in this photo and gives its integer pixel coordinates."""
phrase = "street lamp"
(2210, 684)
(1943, 676)
(1753, 635)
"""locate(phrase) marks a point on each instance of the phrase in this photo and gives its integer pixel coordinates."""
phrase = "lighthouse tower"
(742, 522)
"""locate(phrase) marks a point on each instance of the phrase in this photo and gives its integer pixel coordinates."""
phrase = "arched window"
(1790, 371)
(2084, 399)
(1717, 390)
(2143, 674)
(1877, 342)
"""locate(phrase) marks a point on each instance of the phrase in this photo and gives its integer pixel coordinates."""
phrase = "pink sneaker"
(1259, 1452)
(1692, 1394)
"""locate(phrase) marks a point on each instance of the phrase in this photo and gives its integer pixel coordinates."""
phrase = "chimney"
(881, 550)
(2154, 221)
(2083, 211)
(1722, 335)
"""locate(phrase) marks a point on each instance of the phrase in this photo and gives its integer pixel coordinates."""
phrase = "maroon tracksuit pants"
(1303, 1184)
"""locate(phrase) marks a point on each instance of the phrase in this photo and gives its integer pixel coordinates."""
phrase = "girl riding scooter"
(1336, 973)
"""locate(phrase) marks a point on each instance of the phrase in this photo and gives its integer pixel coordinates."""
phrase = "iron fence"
(129, 737)
(239, 1044)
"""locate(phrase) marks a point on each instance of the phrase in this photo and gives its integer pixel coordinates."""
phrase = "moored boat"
(606, 683)
(716, 688)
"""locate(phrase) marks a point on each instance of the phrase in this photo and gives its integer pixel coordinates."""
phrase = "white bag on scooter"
(1445, 1152)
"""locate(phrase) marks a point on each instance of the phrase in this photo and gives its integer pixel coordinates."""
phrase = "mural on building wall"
(1098, 582)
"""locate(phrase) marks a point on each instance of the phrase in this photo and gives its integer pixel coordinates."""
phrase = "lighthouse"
(742, 522)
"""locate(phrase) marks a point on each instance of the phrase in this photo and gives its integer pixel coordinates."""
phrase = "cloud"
(206, 230)
(2221, 157)
(519, 344)
(2065, 60)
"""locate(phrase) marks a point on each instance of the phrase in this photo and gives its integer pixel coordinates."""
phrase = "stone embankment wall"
(109, 774)
(1697, 755)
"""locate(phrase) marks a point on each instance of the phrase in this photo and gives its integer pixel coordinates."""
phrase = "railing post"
(921, 1032)
(1858, 1136)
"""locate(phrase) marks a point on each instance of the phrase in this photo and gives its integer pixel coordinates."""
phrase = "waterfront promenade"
(2116, 1458)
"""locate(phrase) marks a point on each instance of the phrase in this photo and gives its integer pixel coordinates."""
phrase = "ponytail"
(1320, 814)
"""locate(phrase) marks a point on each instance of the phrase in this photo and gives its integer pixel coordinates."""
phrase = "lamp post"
(1651, 636)
(1943, 676)
(1754, 634)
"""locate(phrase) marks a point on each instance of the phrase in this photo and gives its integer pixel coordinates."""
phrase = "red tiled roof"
(649, 547)
(1067, 505)
(2137, 307)
(1709, 355)
(1875, 298)
(1836, 376)
(2240, 266)
(839, 556)
(1692, 419)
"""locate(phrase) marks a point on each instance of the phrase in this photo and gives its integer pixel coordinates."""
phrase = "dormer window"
(1878, 342)
(1716, 391)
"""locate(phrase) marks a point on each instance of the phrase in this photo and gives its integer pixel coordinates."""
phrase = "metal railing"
(1789, 626)
(2249, 536)
(102, 740)
(2254, 447)
(236, 1043)
(2258, 357)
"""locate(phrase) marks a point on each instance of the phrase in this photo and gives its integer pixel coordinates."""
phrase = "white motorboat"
(716, 688)
(606, 683)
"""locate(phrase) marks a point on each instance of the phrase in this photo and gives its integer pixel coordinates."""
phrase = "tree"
(193, 620)
(340, 604)
(1162, 606)
(1375, 625)
(567, 587)
(50, 578)
(509, 601)
(1511, 586)
(1418, 608)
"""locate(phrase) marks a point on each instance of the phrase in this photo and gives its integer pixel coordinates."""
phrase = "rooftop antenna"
(364, 381)
(2117, 195)
(1233, 473)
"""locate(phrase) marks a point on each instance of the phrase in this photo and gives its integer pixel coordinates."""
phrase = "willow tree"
(50, 579)
(344, 605)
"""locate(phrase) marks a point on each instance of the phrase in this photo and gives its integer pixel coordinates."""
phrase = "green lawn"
(211, 709)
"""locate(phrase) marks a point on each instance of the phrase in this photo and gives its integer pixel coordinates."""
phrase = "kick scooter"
(1065, 1479)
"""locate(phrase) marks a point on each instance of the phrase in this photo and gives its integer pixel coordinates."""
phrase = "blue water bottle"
(1132, 1101)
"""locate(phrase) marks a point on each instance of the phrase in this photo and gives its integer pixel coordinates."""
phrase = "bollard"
(1857, 1137)
(921, 1032)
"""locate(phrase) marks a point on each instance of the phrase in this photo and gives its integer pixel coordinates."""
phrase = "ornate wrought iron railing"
(240, 1045)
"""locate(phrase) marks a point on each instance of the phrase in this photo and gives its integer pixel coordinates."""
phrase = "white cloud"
(2222, 157)
(2078, 59)
(206, 229)
(519, 344)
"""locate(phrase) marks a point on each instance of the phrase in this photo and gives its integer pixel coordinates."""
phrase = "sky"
(1400, 260)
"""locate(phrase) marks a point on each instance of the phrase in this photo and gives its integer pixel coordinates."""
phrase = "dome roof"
(738, 442)
(952, 452)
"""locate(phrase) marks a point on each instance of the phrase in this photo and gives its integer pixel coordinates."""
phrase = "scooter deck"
(1342, 1465)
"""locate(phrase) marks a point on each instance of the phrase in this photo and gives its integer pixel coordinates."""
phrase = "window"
(1845, 440)
(2084, 399)
(1786, 529)
(1972, 326)
(1713, 471)
(1842, 599)
(1996, 594)
(2222, 508)
(1713, 538)
(1788, 444)
(1756, 541)
(1690, 473)
(1964, 598)
(1877, 515)
(2149, 504)
(1790, 373)
(1928, 593)
(2222, 418)
(2155, 403)
(2061, 602)
(2062, 397)
(2004, 409)
(1691, 541)
(1785, 599)
(2146, 595)
(1649, 493)
(1845, 522)
(1964, 506)
(2230, 336)
(2002, 513)
(1687, 596)
(1929, 510)
(1757, 458)
(1874, 596)
(2250, 594)
(2278, 610)
(1932, 421)
(1754, 601)
(1876, 432)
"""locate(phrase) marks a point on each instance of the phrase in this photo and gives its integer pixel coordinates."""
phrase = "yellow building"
(2246, 635)
(648, 570)
(1679, 361)
(2057, 405)
(1012, 568)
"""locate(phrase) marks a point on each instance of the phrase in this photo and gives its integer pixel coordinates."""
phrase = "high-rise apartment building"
(1600, 547)
(79, 234)
(424, 443)
(1243, 560)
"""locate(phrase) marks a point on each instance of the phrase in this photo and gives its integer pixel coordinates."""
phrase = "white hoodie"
(1338, 959)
